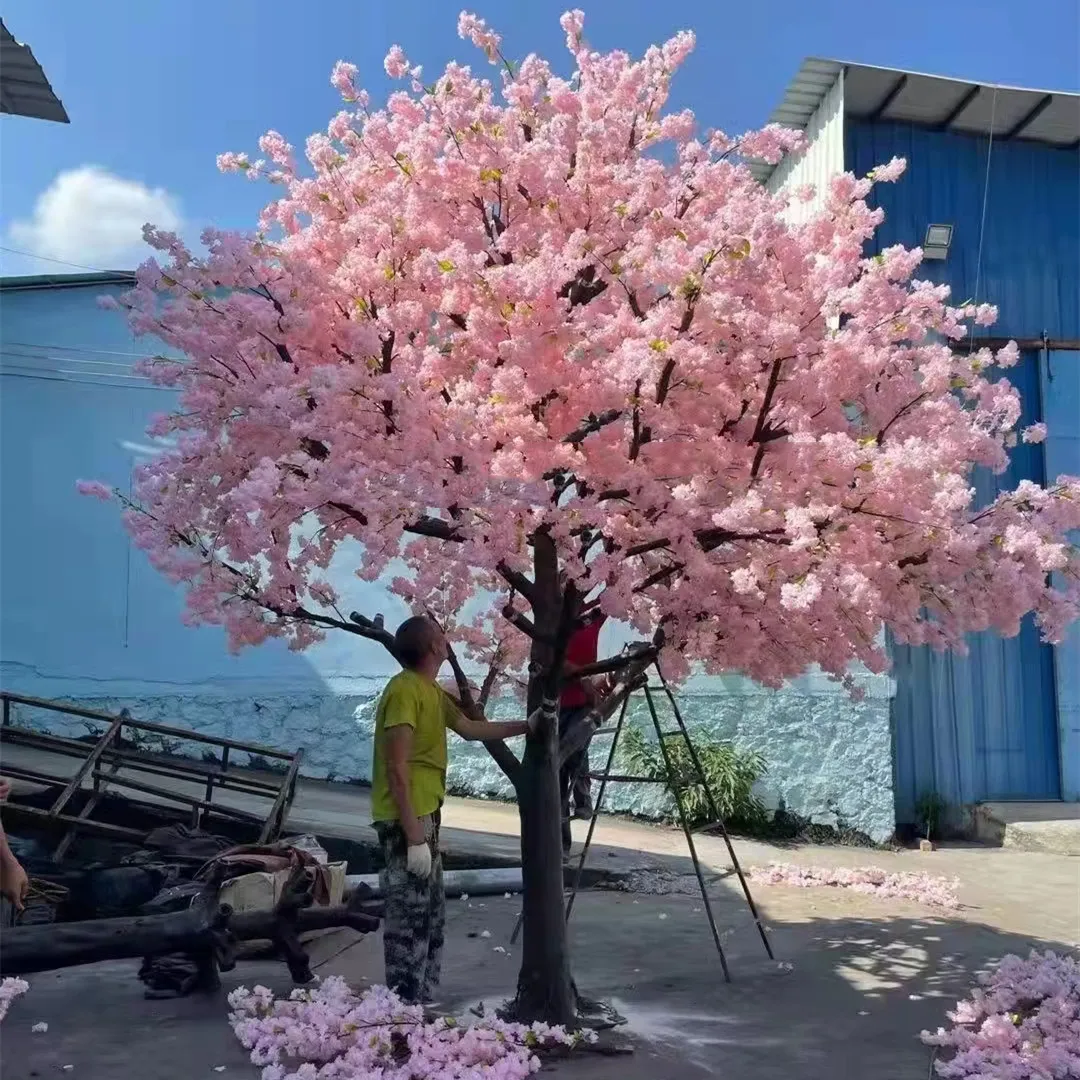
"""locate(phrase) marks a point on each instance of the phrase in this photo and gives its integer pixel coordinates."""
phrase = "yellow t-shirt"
(411, 699)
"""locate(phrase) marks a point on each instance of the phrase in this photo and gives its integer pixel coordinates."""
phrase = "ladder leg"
(716, 815)
(677, 793)
(596, 808)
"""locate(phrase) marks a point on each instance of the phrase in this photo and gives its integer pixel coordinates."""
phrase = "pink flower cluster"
(1022, 1023)
(499, 308)
(922, 888)
(333, 1033)
(10, 989)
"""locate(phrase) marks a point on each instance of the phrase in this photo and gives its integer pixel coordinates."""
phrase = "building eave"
(68, 281)
(24, 89)
(882, 94)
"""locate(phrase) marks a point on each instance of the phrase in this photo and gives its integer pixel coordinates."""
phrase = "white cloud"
(90, 215)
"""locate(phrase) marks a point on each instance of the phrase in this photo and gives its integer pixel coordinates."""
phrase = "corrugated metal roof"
(879, 93)
(24, 89)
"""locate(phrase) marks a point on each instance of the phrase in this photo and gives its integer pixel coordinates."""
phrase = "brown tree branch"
(708, 539)
(761, 428)
(493, 672)
(593, 422)
(502, 755)
(632, 677)
(880, 437)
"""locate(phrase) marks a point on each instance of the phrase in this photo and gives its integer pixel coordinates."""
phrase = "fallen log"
(201, 929)
(207, 932)
(26, 949)
(255, 925)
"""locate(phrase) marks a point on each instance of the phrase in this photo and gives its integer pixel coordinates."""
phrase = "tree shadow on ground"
(847, 996)
(850, 991)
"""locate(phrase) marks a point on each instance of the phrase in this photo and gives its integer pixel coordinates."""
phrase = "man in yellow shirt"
(408, 785)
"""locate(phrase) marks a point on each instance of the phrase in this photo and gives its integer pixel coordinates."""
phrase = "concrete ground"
(856, 980)
(865, 976)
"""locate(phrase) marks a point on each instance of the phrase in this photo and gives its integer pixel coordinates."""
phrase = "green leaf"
(446, 266)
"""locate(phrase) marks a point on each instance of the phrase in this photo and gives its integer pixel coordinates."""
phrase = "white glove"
(418, 860)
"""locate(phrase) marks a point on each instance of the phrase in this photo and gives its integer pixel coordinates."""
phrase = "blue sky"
(156, 90)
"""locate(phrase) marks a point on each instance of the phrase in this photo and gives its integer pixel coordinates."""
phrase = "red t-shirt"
(581, 650)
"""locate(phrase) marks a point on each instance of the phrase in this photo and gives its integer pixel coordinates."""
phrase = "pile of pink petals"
(10, 989)
(922, 888)
(1023, 1023)
(333, 1033)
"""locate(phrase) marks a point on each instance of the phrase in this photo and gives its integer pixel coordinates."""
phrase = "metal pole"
(675, 790)
(596, 808)
(716, 815)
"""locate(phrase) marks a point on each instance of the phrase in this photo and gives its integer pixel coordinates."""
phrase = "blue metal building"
(992, 191)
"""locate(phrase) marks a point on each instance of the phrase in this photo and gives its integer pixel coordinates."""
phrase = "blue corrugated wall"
(981, 726)
(1030, 265)
(1061, 404)
(985, 726)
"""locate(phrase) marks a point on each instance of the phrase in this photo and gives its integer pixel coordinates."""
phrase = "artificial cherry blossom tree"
(546, 343)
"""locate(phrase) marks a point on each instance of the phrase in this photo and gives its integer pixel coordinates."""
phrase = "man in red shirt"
(578, 696)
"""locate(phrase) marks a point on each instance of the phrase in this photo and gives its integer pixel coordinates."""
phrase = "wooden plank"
(32, 776)
(35, 814)
(38, 740)
(146, 725)
(100, 789)
(235, 780)
(181, 771)
(75, 782)
(276, 820)
(176, 796)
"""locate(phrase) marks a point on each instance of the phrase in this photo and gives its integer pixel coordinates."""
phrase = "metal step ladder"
(678, 791)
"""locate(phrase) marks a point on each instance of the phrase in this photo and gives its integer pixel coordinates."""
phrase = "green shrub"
(729, 771)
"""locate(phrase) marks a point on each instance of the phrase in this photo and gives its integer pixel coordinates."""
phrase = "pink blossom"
(1036, 433)
(890, 172)
(233, 162)
(573, 23)
(396, 63)
(94, 489)
(343, 79)
(922, 888)
(10, 989)
(474, 29)
(334, 1032)
(771, 143)
(736, 427)
(1021, 1023)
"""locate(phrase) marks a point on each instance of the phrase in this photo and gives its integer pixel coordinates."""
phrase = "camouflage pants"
(415, 914)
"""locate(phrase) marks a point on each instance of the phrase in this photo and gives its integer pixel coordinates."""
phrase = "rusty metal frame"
(103, 760)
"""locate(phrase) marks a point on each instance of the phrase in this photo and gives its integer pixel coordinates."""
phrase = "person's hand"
(532, 721)
(5, 789)
(14, 884)
(418, 860)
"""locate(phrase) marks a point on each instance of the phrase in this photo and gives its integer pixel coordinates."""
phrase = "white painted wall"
(822, 159)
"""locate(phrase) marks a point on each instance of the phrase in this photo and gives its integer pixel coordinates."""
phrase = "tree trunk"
(545, 990)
